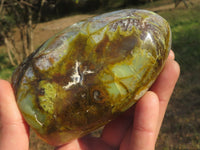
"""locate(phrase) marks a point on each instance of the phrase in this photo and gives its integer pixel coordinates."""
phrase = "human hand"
(136, 129)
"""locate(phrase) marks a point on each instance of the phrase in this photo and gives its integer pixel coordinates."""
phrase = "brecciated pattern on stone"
(86, 75)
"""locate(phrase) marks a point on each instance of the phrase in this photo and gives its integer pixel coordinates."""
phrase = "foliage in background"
(20, 14)
(6, 68)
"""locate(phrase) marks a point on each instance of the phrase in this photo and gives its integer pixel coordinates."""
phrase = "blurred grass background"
(181, 126)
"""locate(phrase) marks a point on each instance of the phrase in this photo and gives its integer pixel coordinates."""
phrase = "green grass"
(182, 122)
(185, 25)
(6, 68)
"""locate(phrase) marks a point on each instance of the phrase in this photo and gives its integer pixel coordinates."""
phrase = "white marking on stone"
(77, 77)
(87, 71)
(149, 37)
(38, 120)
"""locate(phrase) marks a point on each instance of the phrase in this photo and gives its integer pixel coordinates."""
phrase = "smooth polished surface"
(86, 75)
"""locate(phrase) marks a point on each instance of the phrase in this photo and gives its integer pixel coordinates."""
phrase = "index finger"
(13, 129)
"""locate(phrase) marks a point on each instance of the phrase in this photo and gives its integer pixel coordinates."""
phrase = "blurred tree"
(20, 14)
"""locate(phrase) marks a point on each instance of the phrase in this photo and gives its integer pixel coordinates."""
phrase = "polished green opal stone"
(83, 77)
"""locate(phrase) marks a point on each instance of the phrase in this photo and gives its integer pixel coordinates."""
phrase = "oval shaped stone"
(83, 77)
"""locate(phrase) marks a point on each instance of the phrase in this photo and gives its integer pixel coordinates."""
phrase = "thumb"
(13, 129)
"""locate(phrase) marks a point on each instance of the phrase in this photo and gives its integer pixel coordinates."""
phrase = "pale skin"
(136, 129)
